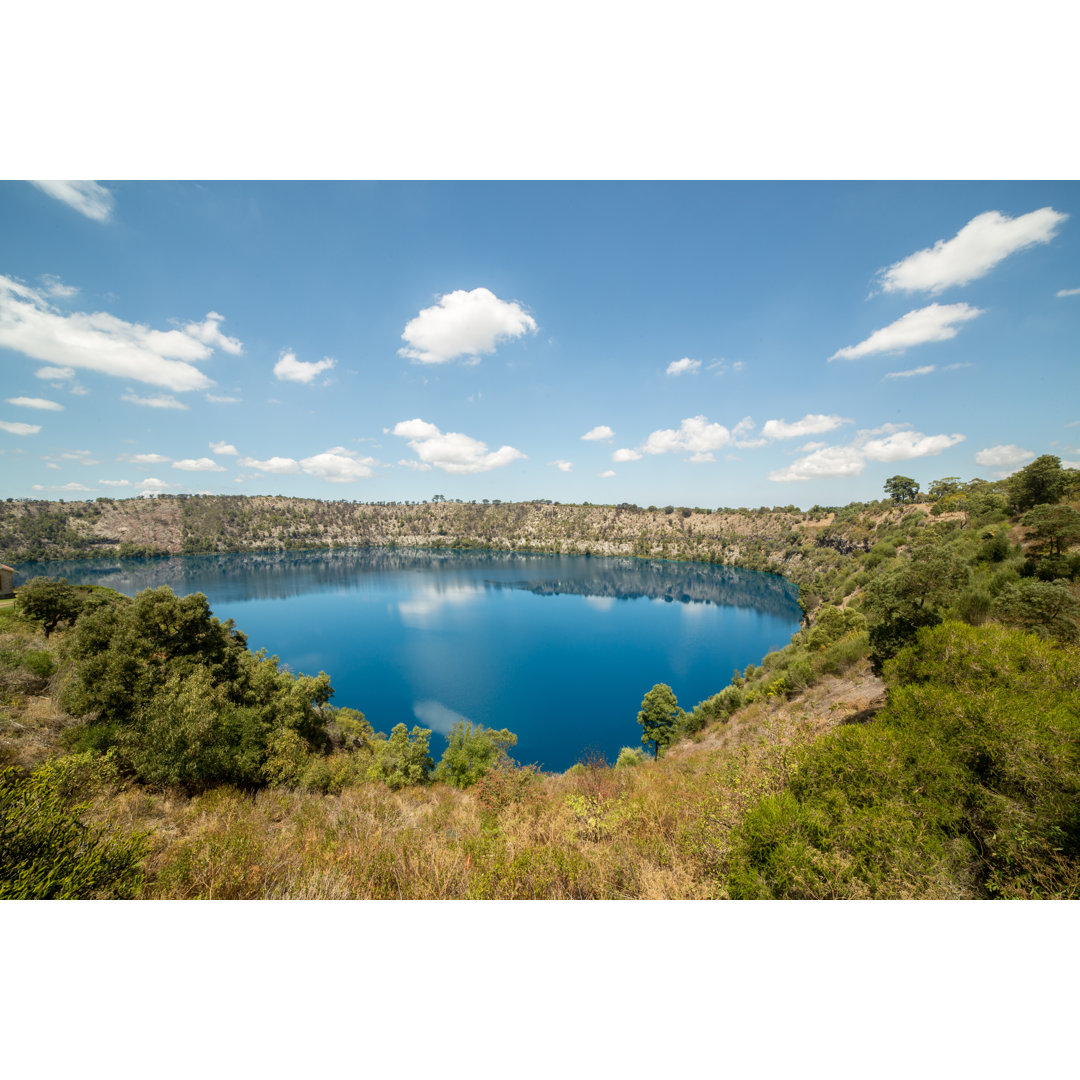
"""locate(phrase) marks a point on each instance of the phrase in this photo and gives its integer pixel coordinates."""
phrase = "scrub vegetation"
(918, 738)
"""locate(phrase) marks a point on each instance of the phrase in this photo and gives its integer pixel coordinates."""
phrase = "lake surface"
(559, 649)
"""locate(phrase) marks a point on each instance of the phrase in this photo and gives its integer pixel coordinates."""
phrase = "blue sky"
(699, 343)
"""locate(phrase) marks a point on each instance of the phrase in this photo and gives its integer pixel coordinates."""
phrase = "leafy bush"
(629, 757)
(48, 853)
(472, 752)
(403, 759)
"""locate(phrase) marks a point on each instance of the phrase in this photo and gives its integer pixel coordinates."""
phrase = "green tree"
(49, 602)
(1043, 481)
(903, 600)
(901, 489)
(660, 717)
(1057, 527)
(403, 759)
(948, 485)
(472, 752)
(1046, 608)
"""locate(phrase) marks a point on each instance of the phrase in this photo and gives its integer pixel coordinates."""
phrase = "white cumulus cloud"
(209, 333)
(626, 454)
(282, 466)
(810, 424)
(609, 472)
(16, 427)
(598, 433)
(97, 341)
(681, 367)
(905, 445)
(87, 196)
(452, 452)
(1067, 292)
(937, 322)
(972, 253)
(115, 483)
(694, 434)
(154, 401)
(36, 403)
(144, 459)
(890, 442)
(203, 464)
(910, 373)
(338, 465)
(562, 466)
(289, 369)
(1006, 455)
(152, 485)
(464, 324)
(223, 448)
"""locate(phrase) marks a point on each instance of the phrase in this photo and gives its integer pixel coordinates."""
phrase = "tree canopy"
(659, 717)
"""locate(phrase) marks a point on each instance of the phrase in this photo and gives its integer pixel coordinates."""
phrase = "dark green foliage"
(47, 852)
(902, 489)
(49, 602)
(403, 759)
(472, 752)
(179, 695)
(967, 783)
(1047, 608)
(1055, 527)
(1043, 481)
(660, 717)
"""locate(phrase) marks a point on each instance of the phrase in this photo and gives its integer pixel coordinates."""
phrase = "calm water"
(559, 649)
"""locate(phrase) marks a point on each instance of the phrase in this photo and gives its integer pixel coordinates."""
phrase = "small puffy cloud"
(209, 333)
(338, 465)
(626, 454)
(98, 341)
(219, 399)
(203, 464)
(36, 403)
(83, 457)
(154, 401)
(115, 483)
(144, 459)
(281, 466)
(972, 253)
(890, 442)
(152, 485)
(694, 434)
(910, 373)
(1067, 292)
(464, 324)
(51, 465)
(289, 369)
(807, 447)
(223, 448)
(1006, 455)
(829, 461)
(15, 427)
(58, 374)
(55, 287)
(562, 466)
(683, 366)
(71, 486)
(905, 445)
(452, 452)
(937, 322)
(609, 472)
(810, 424)
(87, 196)
(598, 433)
(702, 457)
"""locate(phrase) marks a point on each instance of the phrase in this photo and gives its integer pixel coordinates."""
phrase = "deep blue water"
(559, 649)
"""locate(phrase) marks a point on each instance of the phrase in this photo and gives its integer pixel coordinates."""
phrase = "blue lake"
(559, 649)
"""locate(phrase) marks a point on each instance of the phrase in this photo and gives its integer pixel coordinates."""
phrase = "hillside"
(918, 738)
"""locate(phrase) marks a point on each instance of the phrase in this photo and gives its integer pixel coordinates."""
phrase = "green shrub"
(403, 759)
(472, 752)
(630, 757)
(48, 853)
